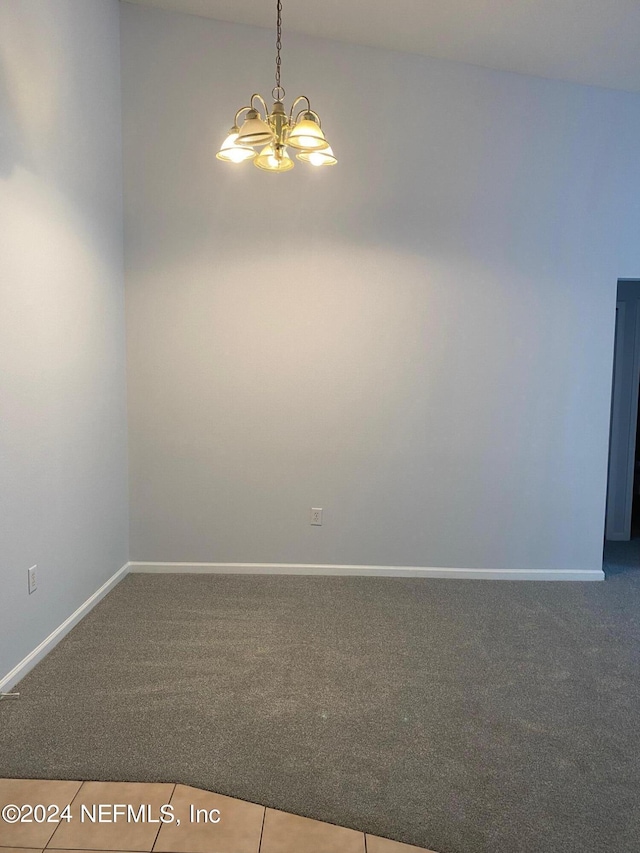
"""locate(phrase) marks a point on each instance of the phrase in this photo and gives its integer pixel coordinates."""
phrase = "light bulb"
(326, 157)
(237, 155)
(274, 160)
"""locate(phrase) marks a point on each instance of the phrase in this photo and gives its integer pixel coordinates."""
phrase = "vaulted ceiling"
(586, 41)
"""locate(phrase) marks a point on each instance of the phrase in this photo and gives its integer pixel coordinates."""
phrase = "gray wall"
(63, 486)
(419, 340)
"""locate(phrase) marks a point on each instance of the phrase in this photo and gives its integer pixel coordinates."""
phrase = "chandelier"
(273, 132)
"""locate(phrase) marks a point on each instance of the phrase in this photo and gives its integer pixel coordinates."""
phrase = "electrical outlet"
(31, 575)
(316, 515)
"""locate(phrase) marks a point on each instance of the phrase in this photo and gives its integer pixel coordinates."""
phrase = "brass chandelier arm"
(262, 101)
(239, 113)
(313, 113)
(295, 103)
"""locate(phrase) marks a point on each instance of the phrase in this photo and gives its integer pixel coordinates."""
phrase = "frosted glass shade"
(307, 135)
(254, 131)
(268, 161)
(231, 152)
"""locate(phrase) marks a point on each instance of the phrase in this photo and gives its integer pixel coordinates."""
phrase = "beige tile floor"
(124, 817)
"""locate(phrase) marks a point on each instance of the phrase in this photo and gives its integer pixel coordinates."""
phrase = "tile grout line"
(155, 840)
(73, 799)
(264, 817)
(82, 784)
(174, 786)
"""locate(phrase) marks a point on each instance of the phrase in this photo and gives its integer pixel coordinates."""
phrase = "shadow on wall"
(30, 82)
(11, 139)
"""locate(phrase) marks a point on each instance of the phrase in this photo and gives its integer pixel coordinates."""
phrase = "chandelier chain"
(274, 131)
(278, 92)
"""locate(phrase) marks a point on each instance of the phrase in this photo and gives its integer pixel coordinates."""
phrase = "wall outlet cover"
(33, 582)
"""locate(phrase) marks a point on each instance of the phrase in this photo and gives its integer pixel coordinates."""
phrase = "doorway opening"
(622, 524)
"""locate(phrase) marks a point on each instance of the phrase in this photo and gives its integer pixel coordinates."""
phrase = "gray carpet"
(464, 716)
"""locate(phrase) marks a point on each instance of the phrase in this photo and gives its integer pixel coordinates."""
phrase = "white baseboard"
(19, 671)
(372, 571)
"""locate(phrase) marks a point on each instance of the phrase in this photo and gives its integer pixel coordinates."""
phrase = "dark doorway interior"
(635, 515)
